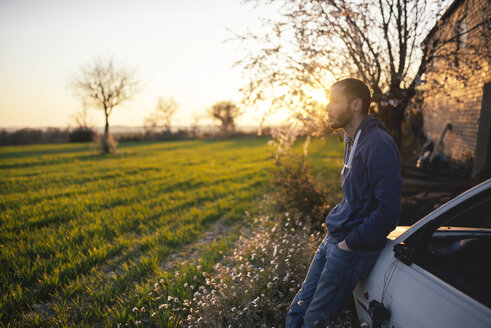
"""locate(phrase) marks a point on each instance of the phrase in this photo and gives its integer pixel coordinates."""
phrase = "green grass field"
(83, 236)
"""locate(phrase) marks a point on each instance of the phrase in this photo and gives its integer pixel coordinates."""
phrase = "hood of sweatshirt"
(368, 123)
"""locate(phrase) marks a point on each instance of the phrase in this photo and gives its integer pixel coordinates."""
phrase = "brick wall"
(455, 81)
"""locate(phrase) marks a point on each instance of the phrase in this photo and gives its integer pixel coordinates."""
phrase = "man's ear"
(357, 104)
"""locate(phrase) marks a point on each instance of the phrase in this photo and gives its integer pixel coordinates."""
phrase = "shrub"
(82, 135)
(255, 285)
(107, 144)
(297, 191)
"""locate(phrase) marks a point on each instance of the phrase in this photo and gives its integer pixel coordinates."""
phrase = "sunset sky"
(176, 48)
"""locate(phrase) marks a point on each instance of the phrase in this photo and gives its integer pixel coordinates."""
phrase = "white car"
(436, 273)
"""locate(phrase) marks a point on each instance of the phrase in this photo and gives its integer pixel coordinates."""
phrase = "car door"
(420, 299)
(439, 274)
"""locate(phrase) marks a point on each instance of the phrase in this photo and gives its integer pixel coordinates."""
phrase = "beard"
(341, 120)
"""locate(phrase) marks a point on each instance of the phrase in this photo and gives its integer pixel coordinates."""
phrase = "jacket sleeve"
(384, 178)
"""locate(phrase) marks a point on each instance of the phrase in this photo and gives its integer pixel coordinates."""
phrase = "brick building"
(457, 91)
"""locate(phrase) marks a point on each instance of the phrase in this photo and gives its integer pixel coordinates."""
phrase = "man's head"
(348, 99)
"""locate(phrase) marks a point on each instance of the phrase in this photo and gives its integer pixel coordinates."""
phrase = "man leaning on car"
(369, 211)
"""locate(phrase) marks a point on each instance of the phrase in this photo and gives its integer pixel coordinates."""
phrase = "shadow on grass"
(94, 155)
(50, 150)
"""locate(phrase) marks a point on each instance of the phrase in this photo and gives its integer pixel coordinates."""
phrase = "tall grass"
(82, 233)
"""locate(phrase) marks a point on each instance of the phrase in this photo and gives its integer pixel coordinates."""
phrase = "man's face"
(338, 108)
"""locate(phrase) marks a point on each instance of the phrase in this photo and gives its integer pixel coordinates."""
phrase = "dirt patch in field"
(191, 252)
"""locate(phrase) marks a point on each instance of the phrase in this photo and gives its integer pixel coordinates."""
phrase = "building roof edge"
(447, 13)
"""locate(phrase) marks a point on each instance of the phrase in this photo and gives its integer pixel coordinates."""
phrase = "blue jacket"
(372, 185)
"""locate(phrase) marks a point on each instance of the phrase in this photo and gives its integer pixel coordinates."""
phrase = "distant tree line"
(28, 136)
(33, 136)
(189, 133)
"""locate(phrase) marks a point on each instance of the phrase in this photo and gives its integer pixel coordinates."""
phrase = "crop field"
(84, 237)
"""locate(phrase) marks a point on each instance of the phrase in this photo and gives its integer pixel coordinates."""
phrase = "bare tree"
(163, 113)
(226, 112)
(82, 119)
(84, 129)
(195, 130)
(315, 42)
(106, 86)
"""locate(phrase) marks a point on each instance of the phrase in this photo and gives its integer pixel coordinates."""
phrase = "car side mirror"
(403, 253)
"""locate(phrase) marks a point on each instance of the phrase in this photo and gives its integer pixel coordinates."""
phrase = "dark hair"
(353, 89)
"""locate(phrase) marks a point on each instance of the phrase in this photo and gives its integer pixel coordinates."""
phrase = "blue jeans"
(333, 274)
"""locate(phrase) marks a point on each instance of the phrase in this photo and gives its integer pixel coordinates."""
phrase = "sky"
(176, 48)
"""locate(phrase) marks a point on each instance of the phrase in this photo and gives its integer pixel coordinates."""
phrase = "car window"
(476, 215)
(457, 248)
